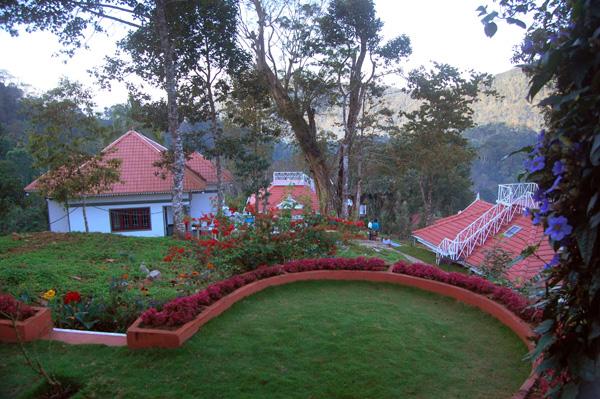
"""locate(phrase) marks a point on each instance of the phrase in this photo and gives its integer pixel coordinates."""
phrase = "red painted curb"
(33, 328)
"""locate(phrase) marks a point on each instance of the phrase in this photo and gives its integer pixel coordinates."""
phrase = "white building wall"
(202, 204)
(99, 219)
(98, 213)
(58, 217)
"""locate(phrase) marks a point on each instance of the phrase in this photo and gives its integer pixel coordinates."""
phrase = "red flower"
(168, 258)
(215, 231)
(181, 250)
(72, 296)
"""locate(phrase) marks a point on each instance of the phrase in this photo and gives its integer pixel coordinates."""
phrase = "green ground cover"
(33, 263)
(303, 340)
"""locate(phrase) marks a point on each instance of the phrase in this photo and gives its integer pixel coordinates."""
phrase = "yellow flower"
(49, 295)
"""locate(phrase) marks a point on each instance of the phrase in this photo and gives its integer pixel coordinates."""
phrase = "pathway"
(380, 245)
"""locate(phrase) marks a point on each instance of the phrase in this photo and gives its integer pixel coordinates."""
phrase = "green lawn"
(83, 262)
(303, 340)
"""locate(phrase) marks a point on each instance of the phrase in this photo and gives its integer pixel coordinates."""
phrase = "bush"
(271, 239)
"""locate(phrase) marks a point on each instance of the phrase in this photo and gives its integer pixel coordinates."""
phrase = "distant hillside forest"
(504, 125)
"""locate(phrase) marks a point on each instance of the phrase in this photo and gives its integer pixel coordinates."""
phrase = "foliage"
(185, 309)
(63, 127)
(10, 308)
(353, 53)
(513, 301)
(250, 108)
(560, 50)
(270, 239)
(491, 166)
(495, 262)
(429, 151)
(31, 264)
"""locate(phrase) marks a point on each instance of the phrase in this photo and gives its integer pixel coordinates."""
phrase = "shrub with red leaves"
(182, 310)
(512, 300)
(10, 308)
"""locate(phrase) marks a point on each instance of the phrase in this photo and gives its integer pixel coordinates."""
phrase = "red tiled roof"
(450, 226)
(206, 169)
(529, 234)
(299, 193)
(138, 174)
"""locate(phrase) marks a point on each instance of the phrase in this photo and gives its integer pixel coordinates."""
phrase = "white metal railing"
(292, 178)
(512, 198)
(509, 193)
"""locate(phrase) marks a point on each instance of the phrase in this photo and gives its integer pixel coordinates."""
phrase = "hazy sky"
(440, 30)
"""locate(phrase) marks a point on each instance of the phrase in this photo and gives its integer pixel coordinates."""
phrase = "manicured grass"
(34, 263)
(303, 340)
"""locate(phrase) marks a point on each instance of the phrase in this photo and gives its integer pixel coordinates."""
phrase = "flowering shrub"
(10, 308)
(349, 228)
(182, 310)
(272, 238)
(513, 301)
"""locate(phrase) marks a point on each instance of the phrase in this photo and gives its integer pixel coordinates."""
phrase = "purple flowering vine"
(558, 228)
(558, 168)
(553, 262)
(535, 164)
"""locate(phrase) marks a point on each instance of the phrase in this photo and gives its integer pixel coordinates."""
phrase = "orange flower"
(125, 276)
(195, 273)
(210, 266)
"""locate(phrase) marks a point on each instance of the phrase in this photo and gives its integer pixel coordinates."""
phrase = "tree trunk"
(257, 201)
(85, 220)
(356, 93)
(345, 188)
(426, 198)
(358, 185)
(178, 167)
(217, 135)
(305, 132)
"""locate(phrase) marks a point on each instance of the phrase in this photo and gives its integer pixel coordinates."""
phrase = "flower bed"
(182, 310)
(22, 322)
(513, 301)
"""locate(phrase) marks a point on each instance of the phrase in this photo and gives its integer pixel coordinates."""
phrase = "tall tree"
(251, 109)
(430, 142)
(285, 41)
(354, 53)
(212, 56)
(72, 20)
(62, 140)
(204, 53)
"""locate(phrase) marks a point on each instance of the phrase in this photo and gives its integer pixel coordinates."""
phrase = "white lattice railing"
(512, 198)
(292, 178)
